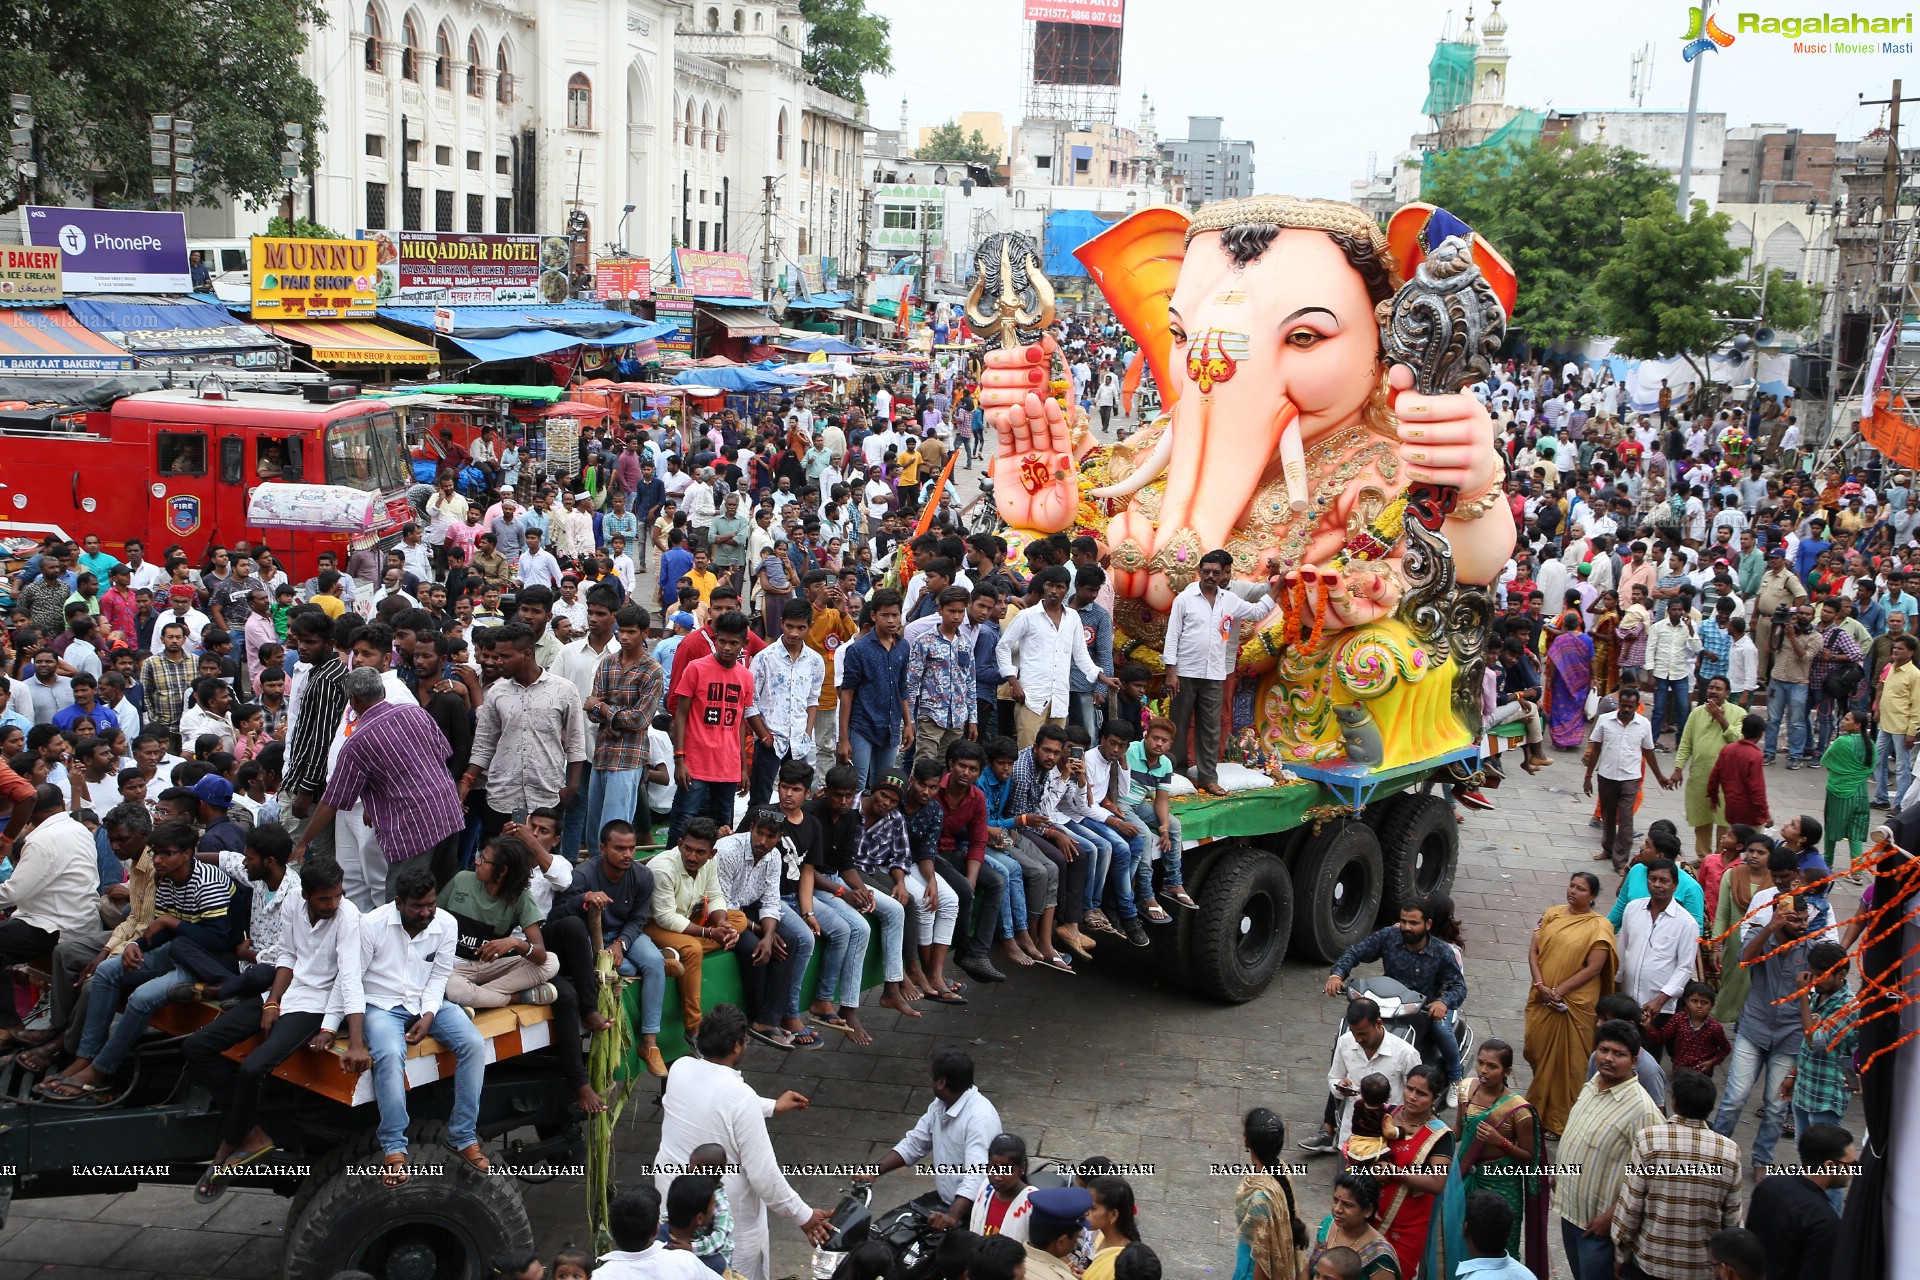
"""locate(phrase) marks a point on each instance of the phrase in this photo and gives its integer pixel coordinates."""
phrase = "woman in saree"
(1272, 1238)
(1848, 761)
(1572, 959)
(1737, 888)
(1410, 1202)
(1606, 642)
(1500, 1143)
(1356, 1199)
(1569, 677)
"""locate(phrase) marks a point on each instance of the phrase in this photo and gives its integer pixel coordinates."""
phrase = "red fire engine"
(178, 466)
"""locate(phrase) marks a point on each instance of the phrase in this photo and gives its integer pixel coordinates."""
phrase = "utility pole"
(1891, 191)
(1686, 145)
(766, 238)
(860, 258)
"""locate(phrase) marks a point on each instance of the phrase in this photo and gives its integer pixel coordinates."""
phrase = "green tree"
(1788, 305)
(1554, 210)
(98, 69)
(301, 229)
(946, 142)
(844, 43)
(1662, 294)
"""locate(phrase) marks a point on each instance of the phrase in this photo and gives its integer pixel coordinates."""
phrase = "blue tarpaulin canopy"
(174, 332)
(1067, 230)
(741, 380)
(825, 342)
(820, 302)
(521, 333)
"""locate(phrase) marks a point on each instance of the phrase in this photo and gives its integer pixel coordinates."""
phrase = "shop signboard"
(713, 275)
(303, 279)
(28, 275)
(114, 250)
(470, 270)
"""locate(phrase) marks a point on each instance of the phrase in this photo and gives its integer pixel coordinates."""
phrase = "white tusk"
(1154, 463)
(1293, 464)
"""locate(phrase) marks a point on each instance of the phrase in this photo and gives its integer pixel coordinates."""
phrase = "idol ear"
(1136, 264)
(1418, 227)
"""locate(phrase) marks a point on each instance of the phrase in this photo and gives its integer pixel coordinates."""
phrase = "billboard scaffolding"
(1073, 60)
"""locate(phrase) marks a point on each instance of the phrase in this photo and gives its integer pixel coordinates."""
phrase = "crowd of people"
(755, 686)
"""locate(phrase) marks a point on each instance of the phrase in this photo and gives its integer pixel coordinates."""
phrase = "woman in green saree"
(1499, 1140)
(1848, 761)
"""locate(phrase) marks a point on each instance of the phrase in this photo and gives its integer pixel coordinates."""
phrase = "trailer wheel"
(1241, 930)
(443, 1225)
(1419, 851)
(1338, 876)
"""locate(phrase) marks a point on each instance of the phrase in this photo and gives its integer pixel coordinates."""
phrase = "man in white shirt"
(1041, 644)
(53, 888)
(406, 956)
(953, 1135)
(1201, 644)
(316, 988)
(1618, 748)
(706, 1100)
(1363, 1049)
(1659, 943)
(537, 566)
(700, 507)
(144, 575)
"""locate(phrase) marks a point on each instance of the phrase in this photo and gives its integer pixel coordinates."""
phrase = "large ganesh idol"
(1314, 426)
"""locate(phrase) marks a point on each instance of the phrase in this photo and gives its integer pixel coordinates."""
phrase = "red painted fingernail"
(1035, 351)
(1033, 375)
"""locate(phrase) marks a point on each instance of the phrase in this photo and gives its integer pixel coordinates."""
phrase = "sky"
(1318, 92)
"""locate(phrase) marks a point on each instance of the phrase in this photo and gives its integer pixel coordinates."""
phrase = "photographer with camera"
(1779, 591)
(1837, 672)
(1791, 653)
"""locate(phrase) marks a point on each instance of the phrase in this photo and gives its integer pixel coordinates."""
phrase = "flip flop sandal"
(1159, 916)
(213, 1184)
(775, 1039)
(805, 1038)
(832, 1021)
(395, 1173)
(947, 997)
(1079, 948)
(1181, 899)
(1058, 962)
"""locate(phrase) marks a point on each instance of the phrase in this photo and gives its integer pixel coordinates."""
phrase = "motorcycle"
(1398, 1005)
(905, 1229)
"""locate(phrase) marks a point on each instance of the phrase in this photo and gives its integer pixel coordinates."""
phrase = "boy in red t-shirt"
(711, 697)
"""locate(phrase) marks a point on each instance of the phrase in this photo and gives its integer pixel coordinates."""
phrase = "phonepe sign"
(114, 250)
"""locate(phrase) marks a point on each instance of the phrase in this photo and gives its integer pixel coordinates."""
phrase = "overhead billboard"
(114, 250)
(1086, 13)
(469, 270)
(623, 279)
(301, 279)
(713, 275)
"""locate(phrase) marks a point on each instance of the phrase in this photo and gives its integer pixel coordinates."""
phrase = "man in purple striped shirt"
(394, 759)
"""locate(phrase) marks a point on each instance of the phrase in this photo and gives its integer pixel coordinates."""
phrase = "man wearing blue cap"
(1053, 1228)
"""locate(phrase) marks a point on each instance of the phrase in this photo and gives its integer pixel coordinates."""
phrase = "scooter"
(1398, 1005)
(905, 1229)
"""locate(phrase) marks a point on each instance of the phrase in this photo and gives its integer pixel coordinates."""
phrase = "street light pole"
(1686, 144)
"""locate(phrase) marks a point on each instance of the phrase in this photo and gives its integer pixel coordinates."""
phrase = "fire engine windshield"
(364, 453)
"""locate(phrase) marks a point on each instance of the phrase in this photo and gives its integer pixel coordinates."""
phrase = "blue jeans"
(702, 800)
(1169, 852)
(1678, 693)
(844, 934)
(1891, 750)
(150, 984)
(611, 794)
(800, 944)
(642, 960)
(386, 1041)
(1114, 867)
(1786, 702)
(1749, 1065)
(1803, 1120)
(871, 759)
(1099, 855)
(1589, 1258)
(1013, 903)
(892, 918)
(573, 822)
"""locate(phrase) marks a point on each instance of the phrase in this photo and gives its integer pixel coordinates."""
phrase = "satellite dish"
(1763, 336)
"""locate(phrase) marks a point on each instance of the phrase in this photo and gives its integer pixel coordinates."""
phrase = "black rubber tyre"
(1338, 879)
(1242, 928)
(442, 1225)
(1419, 851)
(1172, 953)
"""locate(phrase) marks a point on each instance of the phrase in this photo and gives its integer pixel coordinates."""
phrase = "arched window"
(780, 137)
(688, 136)
(409, 50)
(706, 126)
(786, 33)
(759, 22)
(579, 102)
(376, 37)
(473, 66)
(503, 87)
(739, 20)
(713, 19)
(442, 60)
(720, 131)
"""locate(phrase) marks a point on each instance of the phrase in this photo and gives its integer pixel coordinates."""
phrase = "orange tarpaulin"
(1892, 430)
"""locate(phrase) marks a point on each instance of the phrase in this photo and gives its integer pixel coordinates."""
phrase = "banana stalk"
(607, 1053)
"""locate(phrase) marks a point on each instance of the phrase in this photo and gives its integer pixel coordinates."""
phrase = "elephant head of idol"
(1271, 343)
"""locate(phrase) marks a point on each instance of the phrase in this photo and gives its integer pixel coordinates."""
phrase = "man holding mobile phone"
(1363, 1048)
